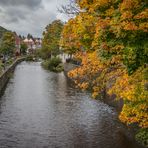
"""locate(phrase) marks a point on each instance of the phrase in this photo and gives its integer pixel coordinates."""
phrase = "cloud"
(29, 16)
(28, 3)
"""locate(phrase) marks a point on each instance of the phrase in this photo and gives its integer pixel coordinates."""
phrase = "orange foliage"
(112, 34)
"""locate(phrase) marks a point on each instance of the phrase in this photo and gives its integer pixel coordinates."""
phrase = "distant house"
(32, 44)
(29, 43)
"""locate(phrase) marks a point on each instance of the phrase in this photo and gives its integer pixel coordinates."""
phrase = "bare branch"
(71, 9)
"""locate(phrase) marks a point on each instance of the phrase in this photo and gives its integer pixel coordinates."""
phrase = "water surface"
(41, 109)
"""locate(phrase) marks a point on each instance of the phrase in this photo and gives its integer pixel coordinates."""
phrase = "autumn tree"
(113, 34)
(78, 34)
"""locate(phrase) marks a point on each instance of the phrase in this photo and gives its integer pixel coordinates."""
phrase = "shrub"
(142, 137)
(54, 64)
(9, 62)
(31, 58)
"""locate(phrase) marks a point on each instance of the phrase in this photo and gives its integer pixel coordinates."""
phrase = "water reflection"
(41, 109)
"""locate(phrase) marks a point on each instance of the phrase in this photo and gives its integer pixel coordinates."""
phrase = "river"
(41, 109)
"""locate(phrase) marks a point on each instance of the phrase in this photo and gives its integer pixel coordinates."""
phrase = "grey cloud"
(29, 16)
(13, 20)
(15, 3)
(13, 12)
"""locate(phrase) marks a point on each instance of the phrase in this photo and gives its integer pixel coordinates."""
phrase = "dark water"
(40, 109)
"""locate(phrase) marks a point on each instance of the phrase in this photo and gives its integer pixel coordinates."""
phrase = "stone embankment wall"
(110, 100)
(7, 74)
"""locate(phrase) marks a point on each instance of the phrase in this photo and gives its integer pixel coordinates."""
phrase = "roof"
(26, 40)
(30, 40)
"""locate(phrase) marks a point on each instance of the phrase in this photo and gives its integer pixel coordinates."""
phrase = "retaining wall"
(7, 74)
(110, 100)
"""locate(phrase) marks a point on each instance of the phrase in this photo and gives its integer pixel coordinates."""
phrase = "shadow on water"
(41, 109)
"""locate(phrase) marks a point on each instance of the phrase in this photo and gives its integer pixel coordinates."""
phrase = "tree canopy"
(51, 38)
(8, 43)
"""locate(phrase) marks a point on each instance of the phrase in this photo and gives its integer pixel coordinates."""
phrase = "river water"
(41, 109)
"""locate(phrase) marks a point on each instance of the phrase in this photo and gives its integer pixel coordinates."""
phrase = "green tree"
(51, 38)
(8, 43)
(23, 48)
(29, 36)
(2, 31)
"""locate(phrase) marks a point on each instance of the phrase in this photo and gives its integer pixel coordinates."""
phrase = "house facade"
(32, 44)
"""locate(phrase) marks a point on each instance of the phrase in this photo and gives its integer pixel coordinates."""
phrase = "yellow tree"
(120, 44)
(78, 33)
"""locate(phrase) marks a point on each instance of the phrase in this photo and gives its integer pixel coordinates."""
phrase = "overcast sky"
(29, 16)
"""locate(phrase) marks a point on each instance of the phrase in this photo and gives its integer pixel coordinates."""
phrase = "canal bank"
(7, 73)
(108, 99)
